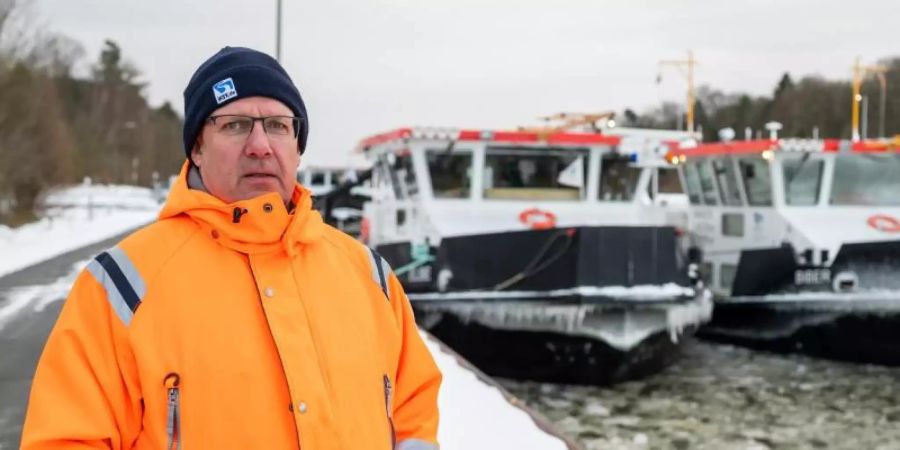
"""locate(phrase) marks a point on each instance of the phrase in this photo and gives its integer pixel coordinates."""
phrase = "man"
(238, 320)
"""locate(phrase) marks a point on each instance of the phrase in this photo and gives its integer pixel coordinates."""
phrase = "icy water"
(724, 397)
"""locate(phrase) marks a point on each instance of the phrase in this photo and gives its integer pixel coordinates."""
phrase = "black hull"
(786, 305)
(552, 357)
(541, 260)
(867, 332)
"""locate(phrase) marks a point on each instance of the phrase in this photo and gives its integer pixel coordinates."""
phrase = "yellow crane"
(686, 68)
(859, 74)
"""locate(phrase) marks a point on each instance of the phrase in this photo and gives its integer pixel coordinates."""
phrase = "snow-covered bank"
(477, 415)
(75, 217)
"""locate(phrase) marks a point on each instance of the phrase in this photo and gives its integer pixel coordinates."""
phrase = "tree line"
(57, 128)
(810, 107)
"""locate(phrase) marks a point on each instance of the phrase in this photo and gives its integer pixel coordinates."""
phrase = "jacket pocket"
(388, 406)
(173, 411)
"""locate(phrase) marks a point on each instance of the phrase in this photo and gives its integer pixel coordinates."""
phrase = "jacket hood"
(258, 225)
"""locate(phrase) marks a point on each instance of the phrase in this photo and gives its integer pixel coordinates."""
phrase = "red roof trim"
(371, 141)
(520, 137)
(831, 145)
(719, 148)
(526, 137)
(874, 146)
(759, 146)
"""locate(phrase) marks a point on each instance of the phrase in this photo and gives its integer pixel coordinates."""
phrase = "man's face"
(243, 166)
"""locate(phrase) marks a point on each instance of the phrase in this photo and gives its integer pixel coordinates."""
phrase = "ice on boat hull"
(589, 304)
(860, 325)
(566, 337)
(861, 328)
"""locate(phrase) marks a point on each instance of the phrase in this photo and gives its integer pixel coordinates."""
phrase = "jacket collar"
(258, 225)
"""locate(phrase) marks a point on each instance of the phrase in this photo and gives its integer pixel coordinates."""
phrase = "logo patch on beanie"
(224, 90)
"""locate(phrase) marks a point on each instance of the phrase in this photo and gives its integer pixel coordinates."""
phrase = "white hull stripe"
(125, 289)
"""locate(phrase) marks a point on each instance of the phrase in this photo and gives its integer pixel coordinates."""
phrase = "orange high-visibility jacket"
(238, 326)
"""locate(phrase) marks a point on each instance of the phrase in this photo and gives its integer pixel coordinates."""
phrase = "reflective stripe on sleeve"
(380, 270)
(415, 444)
(125, 289)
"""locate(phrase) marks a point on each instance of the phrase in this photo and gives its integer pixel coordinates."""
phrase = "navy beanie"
(234, 73)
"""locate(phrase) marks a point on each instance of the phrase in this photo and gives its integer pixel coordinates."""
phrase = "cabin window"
(727, 274)
(706, 272)
(390, 177)
(757, 180)
(451, 173)
(406, 176)
(733, 224)
(385, 179)
(535, 174)
(667, 182)
(866, 179)
(692, 182)
(618, 178)
(707, 183)
(802, 180)
(728, 181)
(318, 179)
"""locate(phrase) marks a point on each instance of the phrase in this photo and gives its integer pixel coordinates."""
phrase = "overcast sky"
(365, 66)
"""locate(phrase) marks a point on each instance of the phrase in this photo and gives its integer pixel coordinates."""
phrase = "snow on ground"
(477, 415)
(121, 197)
(37, 297)
(75, 217)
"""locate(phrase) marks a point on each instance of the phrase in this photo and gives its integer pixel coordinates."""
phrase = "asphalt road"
(22, 337)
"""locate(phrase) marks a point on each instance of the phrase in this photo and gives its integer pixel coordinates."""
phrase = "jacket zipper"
(388, 399)
(173, 416)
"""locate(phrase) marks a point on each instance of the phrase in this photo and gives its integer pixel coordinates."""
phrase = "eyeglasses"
(276, 127)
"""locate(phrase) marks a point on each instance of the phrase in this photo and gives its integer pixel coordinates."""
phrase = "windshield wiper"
(796, 171)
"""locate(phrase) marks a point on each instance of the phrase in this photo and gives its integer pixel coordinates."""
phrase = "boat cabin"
(811, 196)
(431, 183)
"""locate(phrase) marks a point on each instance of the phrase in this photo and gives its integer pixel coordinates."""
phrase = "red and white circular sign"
(537, 219)
(885, 223)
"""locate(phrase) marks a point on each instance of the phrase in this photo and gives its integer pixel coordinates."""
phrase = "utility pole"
(686, 68)
(278, 30)
(859, 74)
(882, 81)
(865, 117)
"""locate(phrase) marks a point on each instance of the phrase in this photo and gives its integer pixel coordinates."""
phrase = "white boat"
(547, 256)
(799, 240)
(338, 193)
